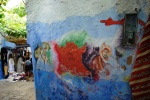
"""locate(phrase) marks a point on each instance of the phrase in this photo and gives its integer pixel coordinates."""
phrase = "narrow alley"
(20, 90)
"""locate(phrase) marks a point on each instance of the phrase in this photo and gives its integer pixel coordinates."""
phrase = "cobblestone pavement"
(20, 90)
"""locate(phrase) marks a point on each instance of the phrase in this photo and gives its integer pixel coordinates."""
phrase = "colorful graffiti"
(82, 61)
(81, 72)
(74, 66)
(77, 68)
(74, 61)
(78, 61)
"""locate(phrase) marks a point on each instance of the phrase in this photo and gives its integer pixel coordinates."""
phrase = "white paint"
(128, 6)
(117, 40)
(49, 11)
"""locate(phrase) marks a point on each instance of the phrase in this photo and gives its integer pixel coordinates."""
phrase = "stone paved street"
(20, 90)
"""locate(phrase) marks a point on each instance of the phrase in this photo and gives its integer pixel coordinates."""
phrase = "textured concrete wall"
(77, 50)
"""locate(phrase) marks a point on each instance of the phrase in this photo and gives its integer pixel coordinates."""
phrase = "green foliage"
(19, 10)
(13, 21)
(2, 8)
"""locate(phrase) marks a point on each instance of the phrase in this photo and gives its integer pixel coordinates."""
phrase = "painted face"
(96, 64)
(46, 46)
(105, 53)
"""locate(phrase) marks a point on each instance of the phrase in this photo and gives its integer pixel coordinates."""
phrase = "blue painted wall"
(75, 55)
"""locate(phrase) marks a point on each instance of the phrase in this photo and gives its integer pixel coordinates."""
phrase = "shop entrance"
(18, 64)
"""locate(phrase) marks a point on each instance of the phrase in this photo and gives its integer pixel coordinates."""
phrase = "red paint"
(96, 77)
(70, 59)
(58, 56)
(141, 22)
(110, 21)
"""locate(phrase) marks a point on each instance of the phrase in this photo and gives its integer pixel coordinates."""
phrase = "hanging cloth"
(140, 76)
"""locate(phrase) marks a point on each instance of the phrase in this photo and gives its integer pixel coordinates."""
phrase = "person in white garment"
(20, 65)
(11, 64)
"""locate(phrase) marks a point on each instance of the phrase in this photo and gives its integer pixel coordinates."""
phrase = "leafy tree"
(13, 21)
(2, 9)
(19, 10)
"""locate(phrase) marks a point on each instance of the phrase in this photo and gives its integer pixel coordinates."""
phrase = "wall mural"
(82, 71)
(78, 54)
(72, 68)
(75, 69)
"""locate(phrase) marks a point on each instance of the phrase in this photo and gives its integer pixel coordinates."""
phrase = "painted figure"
(105, 52)
(43, 56)
(46, 52)
(95, 60)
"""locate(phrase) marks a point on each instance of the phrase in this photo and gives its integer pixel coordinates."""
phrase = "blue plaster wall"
(8, 44)
(50, 84)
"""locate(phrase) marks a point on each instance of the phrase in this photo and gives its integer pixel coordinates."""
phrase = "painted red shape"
(141, 22)
(110, 21)
(70, 59)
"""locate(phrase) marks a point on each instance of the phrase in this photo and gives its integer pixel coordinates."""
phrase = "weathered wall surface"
(77, 51)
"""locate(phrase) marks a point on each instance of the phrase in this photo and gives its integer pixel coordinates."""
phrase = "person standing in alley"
(28, 67)
(20, 65)
(11, 64)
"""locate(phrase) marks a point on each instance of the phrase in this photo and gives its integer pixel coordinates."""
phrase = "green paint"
(48, 54)
(78, 37)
